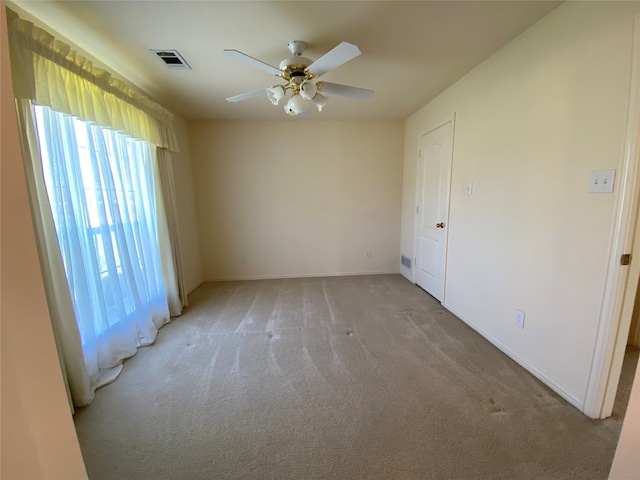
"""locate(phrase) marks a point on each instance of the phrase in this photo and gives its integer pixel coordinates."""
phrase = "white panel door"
(432, 210)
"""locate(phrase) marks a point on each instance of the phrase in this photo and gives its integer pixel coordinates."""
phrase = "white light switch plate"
(602, 181)
(469, 189)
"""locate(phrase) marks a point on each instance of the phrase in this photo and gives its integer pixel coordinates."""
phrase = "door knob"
(440, 225)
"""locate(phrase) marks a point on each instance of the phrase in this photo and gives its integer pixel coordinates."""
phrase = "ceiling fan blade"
(334, 58)
(246, 96)
(254, 62)
(345, 90)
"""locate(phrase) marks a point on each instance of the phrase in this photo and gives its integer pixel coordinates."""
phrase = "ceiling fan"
(300, 73)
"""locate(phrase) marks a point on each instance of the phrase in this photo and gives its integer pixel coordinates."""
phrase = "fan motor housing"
(293, 67)
(295, 61)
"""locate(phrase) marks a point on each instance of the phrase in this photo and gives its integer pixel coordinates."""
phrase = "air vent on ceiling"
(172, 59)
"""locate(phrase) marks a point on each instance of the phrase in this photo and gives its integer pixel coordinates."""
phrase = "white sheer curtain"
(100, 186)
(48, 72)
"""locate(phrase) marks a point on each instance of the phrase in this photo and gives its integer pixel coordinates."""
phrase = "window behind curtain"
(101, 191)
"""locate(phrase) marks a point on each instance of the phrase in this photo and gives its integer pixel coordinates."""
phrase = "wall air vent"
(406, 261)
(172, 59)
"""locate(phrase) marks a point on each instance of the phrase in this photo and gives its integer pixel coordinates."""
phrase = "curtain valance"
(49, 72)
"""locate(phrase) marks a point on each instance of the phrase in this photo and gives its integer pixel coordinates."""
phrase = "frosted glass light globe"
(297, 105)
(308, 90)
(289, 111)
(275, 94)
(320, 101)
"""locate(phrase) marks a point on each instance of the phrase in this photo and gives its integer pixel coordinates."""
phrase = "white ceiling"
(411, 51)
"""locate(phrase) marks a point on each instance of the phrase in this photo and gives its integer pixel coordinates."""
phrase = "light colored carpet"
(363, 377)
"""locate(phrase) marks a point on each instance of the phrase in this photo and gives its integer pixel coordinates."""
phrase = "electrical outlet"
(243, 259)
(367, 254)
(519, 319)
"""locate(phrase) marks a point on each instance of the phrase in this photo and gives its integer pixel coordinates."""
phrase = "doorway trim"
(449, 118)
(621, 282)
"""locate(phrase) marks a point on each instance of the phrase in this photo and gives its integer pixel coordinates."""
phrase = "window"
(100, 187)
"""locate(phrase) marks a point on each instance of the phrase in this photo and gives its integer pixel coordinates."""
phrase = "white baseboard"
(540, 375)
(300, 275)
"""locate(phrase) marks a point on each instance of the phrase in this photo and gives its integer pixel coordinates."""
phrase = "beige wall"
(38, 439)
(186, 205)
(297, 197)
(532, 122)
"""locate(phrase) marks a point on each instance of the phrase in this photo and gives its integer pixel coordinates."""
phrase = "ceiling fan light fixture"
(289, 111)
(296, 105)
(275, 94)
(308, 89)
(320, 101)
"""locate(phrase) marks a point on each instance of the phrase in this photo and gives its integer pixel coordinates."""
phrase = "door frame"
(621, 281)
(449, 118)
